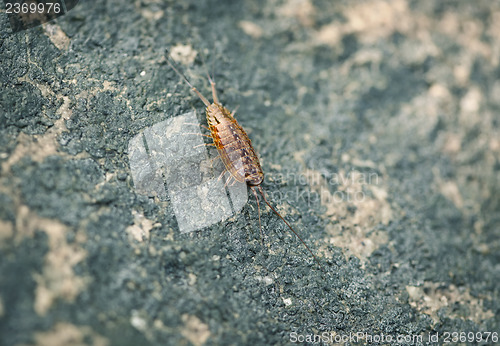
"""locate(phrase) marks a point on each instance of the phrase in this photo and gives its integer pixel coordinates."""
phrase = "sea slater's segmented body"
(234, 146)
(235, 149)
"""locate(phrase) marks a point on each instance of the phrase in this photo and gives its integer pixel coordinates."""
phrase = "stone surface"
(377, 126)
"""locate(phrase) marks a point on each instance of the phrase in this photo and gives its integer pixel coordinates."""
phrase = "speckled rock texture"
(378, 127)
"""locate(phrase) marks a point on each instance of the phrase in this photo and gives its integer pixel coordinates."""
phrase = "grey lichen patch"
(57, 280)
(63, 334)
(195, 330)
(27, 145)
(57, 36)
(451, 191)
(183, 53)
(433, 297)
(6, 231)
(354, 210)
(139, 231)
(151, 15)
(139, 321)
(370, 20)
(39, 147)
(250, 28)
(302, 11)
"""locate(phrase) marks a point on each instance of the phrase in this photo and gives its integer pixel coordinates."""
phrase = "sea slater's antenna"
(173, 66)
(281, 217)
